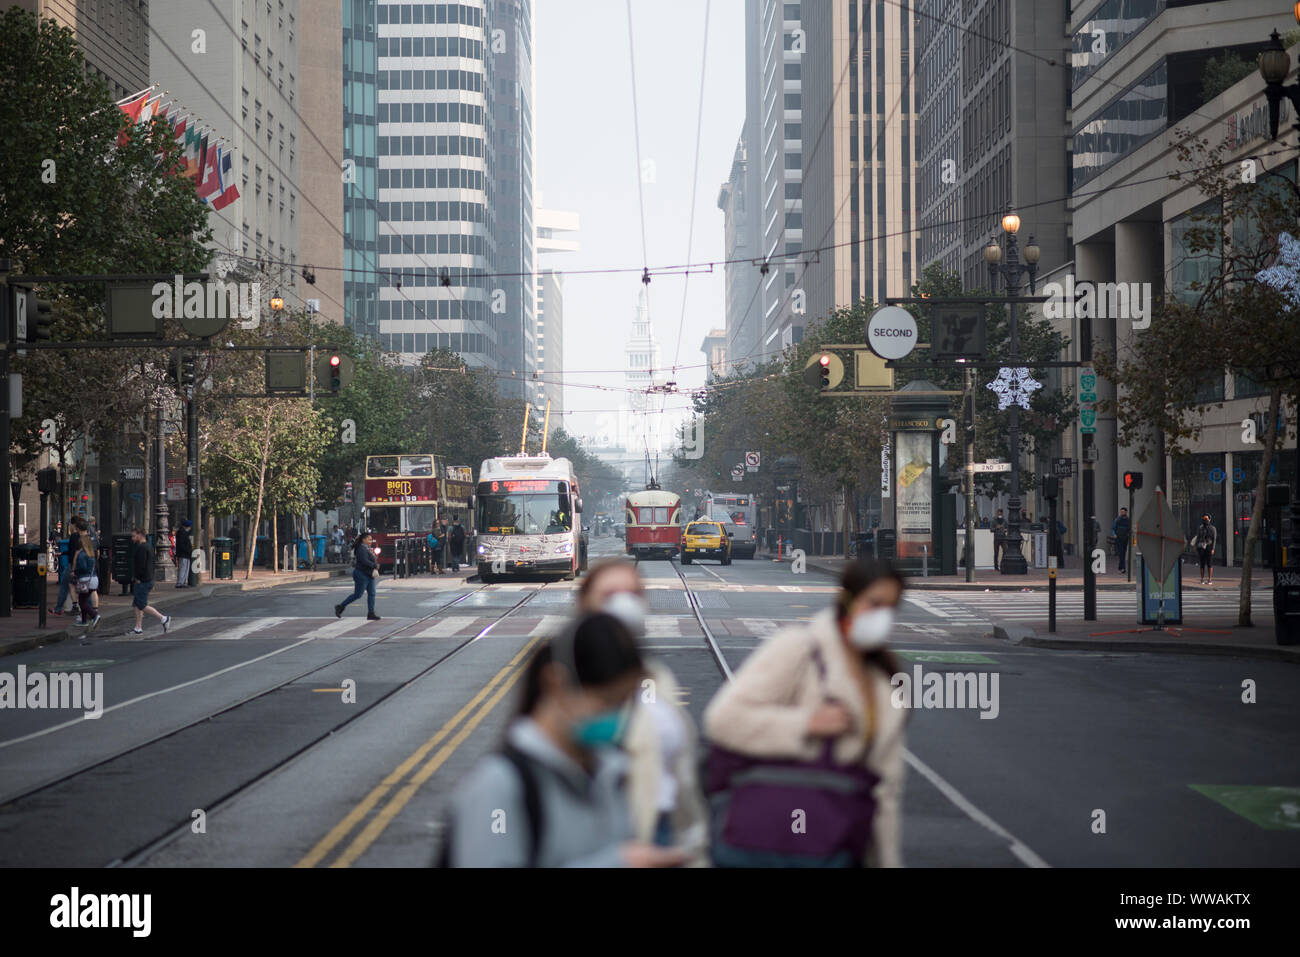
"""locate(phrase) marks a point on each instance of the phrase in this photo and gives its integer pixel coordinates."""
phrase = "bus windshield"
(505, 513)
(385, 521)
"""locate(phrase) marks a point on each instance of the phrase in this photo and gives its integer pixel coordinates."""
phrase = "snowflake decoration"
(1014, 386)
(1284, 274)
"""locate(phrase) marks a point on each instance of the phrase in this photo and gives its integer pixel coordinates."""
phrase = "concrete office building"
(245, 88)
(510, 100)
(859, 157)
(1130, 223)
(113, 36)
(361, 278)
(773, 142)
(435, 184)
(989, 130)
(320, 113)
(714, 348)
(555, 230)
(740, 334)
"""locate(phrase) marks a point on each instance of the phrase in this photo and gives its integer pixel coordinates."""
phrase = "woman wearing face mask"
(553, 795)
(664, 797)
(827, 679)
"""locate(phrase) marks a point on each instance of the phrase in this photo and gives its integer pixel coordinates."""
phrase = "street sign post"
(992, 466)
(891, 332)
(1087, 400)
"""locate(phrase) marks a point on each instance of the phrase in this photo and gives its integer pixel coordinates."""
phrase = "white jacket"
(690, 816)
(764, 712)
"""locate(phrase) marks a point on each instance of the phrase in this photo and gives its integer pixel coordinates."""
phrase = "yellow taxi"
(705, 539)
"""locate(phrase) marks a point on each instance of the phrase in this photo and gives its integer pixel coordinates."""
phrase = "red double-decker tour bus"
(406, 495)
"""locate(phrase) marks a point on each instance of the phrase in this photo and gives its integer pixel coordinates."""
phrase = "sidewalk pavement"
(21, 632)
(1216, 635)
(1036, 579)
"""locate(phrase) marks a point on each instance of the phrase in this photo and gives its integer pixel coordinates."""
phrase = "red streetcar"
(654, 524)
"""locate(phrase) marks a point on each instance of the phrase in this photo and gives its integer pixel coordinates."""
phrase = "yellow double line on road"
(502, 681)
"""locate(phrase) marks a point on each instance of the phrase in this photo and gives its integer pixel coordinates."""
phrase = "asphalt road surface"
(261, 731)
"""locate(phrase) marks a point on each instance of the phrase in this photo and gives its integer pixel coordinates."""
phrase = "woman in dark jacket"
(364, 574)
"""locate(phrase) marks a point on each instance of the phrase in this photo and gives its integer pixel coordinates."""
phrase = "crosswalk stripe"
(548, 626)
(445, 628)
(249, 626)
(659, 626)
(760, 627)
(336, 629)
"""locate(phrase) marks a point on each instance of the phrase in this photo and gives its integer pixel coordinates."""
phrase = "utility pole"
(1088, 454)
(968, 402)
(161, 558)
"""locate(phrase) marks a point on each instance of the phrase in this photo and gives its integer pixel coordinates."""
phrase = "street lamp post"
(1275, 67)
(1015, 274)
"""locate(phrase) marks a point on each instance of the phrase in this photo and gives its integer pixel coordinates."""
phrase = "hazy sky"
(586, 162)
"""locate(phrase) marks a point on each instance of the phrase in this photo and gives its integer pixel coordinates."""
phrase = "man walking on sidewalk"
(184, 552)
(457, 537)
(1207, 536)
(999, 540)
(1121, 530)
(142, 582)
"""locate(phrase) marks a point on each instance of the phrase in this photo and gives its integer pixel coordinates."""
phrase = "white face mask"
(871, 628)
(628, 608)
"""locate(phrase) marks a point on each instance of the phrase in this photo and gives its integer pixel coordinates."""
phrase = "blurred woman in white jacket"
(780, 706)
(664, 798)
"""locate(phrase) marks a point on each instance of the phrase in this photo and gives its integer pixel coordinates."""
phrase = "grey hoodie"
(584, 817)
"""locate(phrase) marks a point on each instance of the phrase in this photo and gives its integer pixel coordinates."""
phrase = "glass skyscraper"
(361, 280)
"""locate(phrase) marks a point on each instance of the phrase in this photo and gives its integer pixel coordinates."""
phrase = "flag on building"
(229, 192)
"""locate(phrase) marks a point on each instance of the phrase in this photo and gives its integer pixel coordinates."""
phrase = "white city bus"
(528, 514)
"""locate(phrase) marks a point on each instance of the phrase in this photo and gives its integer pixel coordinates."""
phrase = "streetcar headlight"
(482, 549)
(565, 549)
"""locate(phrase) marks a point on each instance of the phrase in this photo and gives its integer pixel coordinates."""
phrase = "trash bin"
(318, 545)
(300, 548)
(27, 581)
(122, 561)
(262, 554)
(223, 559)
(887, 543)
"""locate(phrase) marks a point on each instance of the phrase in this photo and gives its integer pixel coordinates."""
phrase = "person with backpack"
(809, 721)
(365, 572)
(1204, 541)
(435, 550)
(552, 795)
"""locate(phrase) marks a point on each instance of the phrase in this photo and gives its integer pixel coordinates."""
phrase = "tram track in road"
(709, 639)
(141, 849)
(144, 851)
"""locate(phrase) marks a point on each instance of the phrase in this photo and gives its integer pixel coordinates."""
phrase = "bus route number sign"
(523, 485)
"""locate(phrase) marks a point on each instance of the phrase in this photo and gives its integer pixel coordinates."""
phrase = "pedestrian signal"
(1132, 480)
(187, 370)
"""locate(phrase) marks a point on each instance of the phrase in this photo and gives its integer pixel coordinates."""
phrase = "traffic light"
(1051, 486)
(187, 370)
(1132, 481)
(336, 383)
(38, 319)
(334, 372)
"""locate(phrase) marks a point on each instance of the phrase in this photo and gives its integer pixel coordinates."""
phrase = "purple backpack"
(754, 803)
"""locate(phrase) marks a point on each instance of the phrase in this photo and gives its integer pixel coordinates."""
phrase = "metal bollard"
(925, 561)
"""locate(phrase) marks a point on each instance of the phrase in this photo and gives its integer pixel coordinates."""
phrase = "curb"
(935, 583)
(1166, 647)
(31, 642)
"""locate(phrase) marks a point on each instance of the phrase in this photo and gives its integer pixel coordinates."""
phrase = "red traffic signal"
(825, 360)
(335, 361)
(1132, 480)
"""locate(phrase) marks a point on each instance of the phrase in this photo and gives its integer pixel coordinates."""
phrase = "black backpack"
(523, 766)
